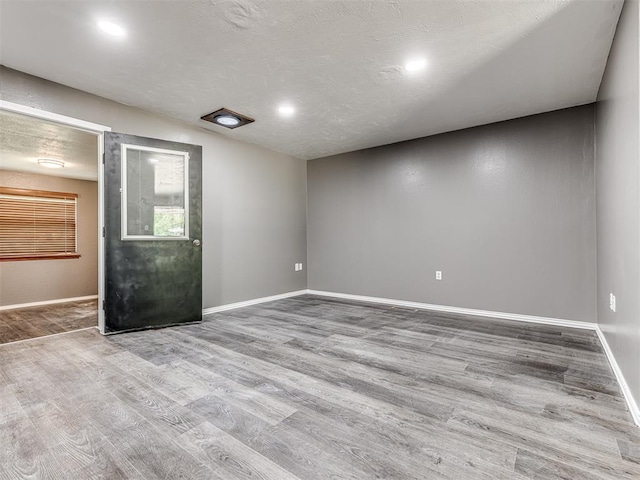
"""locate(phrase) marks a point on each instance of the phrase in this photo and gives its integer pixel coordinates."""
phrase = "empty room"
(320, 239)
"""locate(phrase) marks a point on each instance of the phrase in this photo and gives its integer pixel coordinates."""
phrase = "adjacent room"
(320, 240)
(49, 219)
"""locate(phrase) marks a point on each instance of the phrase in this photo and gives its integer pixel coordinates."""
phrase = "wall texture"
(254, 217)
(40, 280)
(506, 211)
(618, 197)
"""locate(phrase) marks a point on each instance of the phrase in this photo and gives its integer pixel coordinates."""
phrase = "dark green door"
(153, 233)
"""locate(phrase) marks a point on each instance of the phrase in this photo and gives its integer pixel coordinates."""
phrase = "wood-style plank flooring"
(315, 388)
(34, 322)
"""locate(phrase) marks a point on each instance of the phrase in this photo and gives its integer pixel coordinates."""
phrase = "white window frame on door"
(123, 163)
(97, 130)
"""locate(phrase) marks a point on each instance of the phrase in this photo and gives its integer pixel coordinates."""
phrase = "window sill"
(54, 256)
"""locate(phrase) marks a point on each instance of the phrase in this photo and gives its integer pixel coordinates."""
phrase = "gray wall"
(254, 218)
(40, 280)
(617, 192)
(506, 211)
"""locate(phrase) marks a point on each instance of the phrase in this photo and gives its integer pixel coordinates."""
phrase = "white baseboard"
(559, 322)
(626, 391)
(255, 301)
(631, 403)
(48, 302)
(633, 406)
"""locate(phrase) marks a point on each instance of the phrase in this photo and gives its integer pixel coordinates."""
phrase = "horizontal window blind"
(37, 224)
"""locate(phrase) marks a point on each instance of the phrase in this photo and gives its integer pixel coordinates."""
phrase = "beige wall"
(40, 280)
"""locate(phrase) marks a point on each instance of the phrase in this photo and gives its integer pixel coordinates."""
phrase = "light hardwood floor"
(315, 388)
(33, 322)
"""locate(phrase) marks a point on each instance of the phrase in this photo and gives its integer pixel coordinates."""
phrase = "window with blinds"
(36, 225)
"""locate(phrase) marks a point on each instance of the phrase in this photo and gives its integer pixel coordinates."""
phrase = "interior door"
(153, 233)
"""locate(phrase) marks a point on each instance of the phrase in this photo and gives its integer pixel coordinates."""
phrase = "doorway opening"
(51, 246)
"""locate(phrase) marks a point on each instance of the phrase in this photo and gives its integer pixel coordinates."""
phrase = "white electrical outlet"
(438, 275)
(298, 267)
(612, 302)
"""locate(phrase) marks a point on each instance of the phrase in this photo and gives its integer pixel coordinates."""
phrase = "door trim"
(97, 130)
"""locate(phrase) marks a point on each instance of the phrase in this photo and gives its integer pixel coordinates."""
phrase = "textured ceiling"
(339, 62)
(25, 139)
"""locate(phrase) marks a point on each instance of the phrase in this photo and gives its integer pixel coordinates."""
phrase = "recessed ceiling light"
(227, 118)
(415, 65)
(50, 163)
(286, 110)
(154, 160)
(111, 28)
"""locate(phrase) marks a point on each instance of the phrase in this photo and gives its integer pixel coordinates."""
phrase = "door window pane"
(154, 193)
(168, 221)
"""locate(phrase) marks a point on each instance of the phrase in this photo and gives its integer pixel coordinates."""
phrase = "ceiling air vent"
(227, 118)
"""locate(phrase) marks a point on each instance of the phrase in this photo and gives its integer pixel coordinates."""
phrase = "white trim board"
(626, 391)
(558, 322)
(48, 302)
(255, 301)
(53, 117)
